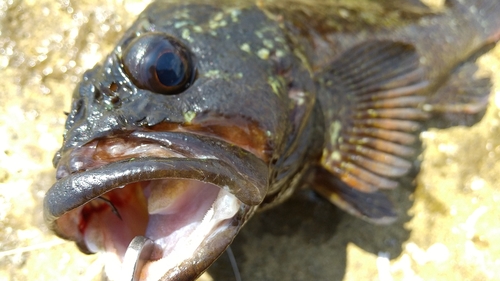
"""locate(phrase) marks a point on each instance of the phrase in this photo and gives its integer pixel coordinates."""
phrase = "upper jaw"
(233, 181)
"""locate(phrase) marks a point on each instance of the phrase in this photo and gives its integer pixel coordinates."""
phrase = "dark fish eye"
(158, 63)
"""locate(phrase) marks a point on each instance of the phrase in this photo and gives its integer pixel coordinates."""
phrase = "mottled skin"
(270, 107)
(445, 41)
(262, 101)
(223, 98)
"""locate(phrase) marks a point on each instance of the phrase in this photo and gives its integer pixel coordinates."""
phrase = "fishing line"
(236, 271)
(113, 208)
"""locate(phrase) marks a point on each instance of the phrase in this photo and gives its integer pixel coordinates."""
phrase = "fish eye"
(158, 63)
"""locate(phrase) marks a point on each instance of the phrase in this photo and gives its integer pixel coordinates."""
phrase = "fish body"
(202, 115)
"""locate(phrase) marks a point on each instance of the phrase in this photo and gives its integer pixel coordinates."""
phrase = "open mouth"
(188, 193)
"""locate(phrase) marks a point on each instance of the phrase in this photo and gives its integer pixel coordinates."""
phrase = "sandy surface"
(448, 228)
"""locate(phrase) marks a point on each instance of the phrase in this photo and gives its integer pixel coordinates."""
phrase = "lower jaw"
(180, 216)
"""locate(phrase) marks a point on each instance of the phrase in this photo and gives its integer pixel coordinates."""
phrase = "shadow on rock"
(306, 238)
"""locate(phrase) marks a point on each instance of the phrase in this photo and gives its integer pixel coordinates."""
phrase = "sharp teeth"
(209, 215)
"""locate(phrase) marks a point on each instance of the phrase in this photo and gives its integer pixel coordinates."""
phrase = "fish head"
(178, 136)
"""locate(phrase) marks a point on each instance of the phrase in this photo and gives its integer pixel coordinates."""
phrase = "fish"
(204, 114)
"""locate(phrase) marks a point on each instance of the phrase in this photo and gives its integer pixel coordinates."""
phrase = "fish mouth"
(189, 193)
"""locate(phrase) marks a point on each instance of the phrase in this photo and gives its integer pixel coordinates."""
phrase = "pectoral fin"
(374, 207)
(371, 102)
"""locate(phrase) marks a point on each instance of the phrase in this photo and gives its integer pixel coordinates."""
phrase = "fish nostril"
(110, 93)
(97, 95)
(115, 99)
(113, 87)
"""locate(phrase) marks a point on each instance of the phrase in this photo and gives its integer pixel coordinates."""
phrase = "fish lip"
(80, 188)
(243, 174)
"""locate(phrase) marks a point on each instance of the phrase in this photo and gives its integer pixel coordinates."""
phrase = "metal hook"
(138, 253)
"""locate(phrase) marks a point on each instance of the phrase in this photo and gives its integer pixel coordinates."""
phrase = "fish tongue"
(177, 209)
(168, 196)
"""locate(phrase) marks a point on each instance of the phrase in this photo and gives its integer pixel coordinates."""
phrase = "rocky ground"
(448, 228)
